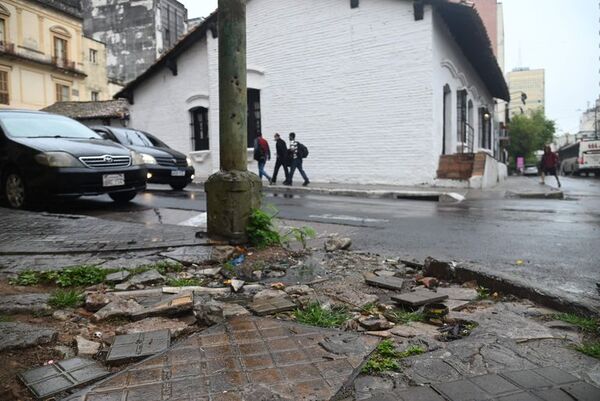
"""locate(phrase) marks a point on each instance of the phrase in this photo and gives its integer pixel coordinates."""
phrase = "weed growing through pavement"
(385, 358)
(403, 316)
(483, 293)
(584, 323)
(184, 282)
(315, 315)
(261, 229)
(301, 235)
(369, 309)
(590, 349)
(76, 276)
(65, 299)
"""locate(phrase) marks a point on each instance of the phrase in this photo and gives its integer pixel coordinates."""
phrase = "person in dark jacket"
(262, 153)
(282, 159)
(296, 161)
(549, 164)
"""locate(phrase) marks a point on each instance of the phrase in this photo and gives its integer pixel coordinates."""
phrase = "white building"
(378, 90)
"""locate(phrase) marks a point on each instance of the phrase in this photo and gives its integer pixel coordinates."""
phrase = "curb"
(496, 283)
(536, 195)
(435, 196)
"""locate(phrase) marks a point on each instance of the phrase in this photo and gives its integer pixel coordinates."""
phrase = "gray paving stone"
(390, 283)
(268, 306)
(553, 394)
(246, 358)
(190, 254)
(173, 305)
(519, 397)
(556, 375)
(527, 379)
(462, 390)
(15, 335)
(419, 394)
(583, 391)
(494, 384)
(134, 346)
(24, 303)
(117, 277)
(419, 297)
(52, 379)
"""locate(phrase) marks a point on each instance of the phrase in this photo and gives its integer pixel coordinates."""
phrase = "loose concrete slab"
(419, 297)
(176, 327)
(117, 277)
(247, 358)
(24, 303)
(130, 347)
(188, 255)
(23, 335)
(173, 305)
(387, 282)
(52, 379)
(268, 306)
(459, 293)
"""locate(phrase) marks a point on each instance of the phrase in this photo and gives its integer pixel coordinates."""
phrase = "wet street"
(558, 240)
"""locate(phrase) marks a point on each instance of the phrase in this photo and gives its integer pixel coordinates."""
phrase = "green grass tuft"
(315, 315)
(590, 349)
(584, 323)
(65, 299)
(184, 282)
(402, 316)
(482, 293)
(75, 276)
(385, 358)
(4, 319)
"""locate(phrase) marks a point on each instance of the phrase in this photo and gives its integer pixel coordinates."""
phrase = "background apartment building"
(136, 33)
(532, 84)
(44, 57)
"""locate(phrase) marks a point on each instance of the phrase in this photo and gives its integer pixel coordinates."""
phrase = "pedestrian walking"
(281, 160)
(297, 152)
(549, 164)
(262, 153)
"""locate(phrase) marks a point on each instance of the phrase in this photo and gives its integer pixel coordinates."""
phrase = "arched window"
(199, 124)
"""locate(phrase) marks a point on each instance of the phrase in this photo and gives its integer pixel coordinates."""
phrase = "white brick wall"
(356, 85)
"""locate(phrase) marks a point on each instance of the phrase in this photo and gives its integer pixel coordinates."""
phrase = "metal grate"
(166, 161)
(106, 161)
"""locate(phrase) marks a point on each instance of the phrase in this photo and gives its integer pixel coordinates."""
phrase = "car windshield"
(33, 125)
(132, 137)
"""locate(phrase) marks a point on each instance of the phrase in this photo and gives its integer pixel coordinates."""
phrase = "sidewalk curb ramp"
(497, 283)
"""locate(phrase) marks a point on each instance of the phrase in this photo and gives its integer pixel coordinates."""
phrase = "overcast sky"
(561, 36)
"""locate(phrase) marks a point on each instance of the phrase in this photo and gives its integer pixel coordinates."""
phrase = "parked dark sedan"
(46, 155)
(165, 165)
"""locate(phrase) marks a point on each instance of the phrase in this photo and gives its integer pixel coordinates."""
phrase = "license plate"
(113, 180)
(177, 173)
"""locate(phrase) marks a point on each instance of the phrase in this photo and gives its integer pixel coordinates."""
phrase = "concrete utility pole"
(233, 192)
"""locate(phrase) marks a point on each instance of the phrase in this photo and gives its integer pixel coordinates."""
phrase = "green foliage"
(590, 349)
(4, 319)
(483, 293)
(529, 133)
(65, 299)
(403, 316)
(584, 323)
(165, 266)
(184, 282)
(76, 276)
(301, 234)
(369, 309)
(26, 278)
(385, 358)
(315, 315)
(261, 231)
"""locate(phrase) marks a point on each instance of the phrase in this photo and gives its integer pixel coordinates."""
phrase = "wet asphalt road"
(559, 240)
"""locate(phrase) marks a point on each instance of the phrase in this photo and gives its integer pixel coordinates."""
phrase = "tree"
(529, 133)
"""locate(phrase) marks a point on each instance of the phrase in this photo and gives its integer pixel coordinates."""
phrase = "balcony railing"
(63, 63)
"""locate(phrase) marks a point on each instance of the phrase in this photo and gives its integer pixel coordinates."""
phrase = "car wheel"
(178, 187)
(15, 190)
(123, 197)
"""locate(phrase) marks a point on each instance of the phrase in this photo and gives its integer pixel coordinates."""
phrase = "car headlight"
(57, 159)
(136, 159)
(148, 159)
(189, 161)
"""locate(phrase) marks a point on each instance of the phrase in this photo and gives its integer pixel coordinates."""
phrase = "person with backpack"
(282, 159)
(262, 153)
(297, 152)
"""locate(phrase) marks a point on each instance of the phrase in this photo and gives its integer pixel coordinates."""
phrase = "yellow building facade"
(532, 83)
(44, 57)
